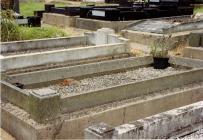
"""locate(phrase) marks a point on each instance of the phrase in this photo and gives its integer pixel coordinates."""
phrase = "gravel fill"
(196, 135)
(115, 79)
(23, 115)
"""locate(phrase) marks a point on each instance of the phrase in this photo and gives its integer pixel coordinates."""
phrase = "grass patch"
(198, 10)
(28, 33)
(27, 8)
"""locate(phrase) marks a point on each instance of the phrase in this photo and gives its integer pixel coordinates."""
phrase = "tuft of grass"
(28, 8)
(198, 10)
(28, 33)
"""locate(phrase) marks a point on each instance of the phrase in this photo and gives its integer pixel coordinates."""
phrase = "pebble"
(115, 79)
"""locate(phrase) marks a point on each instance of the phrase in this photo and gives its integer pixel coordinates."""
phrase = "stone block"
(44, 105)
(102, 35)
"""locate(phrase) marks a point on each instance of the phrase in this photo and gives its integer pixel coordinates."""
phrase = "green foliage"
(28, 33)
(162, 45)
(198, 10)
(9, 29)
(28, 8)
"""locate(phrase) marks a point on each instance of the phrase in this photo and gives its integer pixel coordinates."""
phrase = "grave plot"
(146, 31)
(176, 123)
(63, 51)
(62, 102)
(115, 17)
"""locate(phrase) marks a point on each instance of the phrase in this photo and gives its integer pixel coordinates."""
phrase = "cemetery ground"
(88, 77)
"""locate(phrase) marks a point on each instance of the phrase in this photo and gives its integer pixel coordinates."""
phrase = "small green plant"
(161, 46)
(9, 29)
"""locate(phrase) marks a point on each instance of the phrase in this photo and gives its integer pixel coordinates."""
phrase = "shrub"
(9, 29)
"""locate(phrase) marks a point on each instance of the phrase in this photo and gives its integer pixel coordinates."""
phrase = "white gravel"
(104, 81)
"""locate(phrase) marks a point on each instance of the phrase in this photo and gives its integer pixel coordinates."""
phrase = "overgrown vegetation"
(10, 31)
(198, 10)
(28, 8)
(27, 33)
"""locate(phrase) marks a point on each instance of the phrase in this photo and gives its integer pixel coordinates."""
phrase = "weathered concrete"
(73, 128)
(147, 38)
(102, 35)
(94, 38)
(92, 24)
(160, 126)
(195, 39)
(14, 95)
(193, 52)
(41, 58)
(59, 20)
(187, 62)
(17, 127)
(42, 43)
(131, 90)
(42, 105)
(80, 70)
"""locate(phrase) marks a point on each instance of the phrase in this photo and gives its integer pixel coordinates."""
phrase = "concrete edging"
(80, 70)
(41, 58)
(42, 43)
(73, 128)
(103, 96)
(193, 52)
(187, 62)
(164, 125)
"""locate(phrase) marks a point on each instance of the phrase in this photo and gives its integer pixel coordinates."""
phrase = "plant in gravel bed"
(159, 51)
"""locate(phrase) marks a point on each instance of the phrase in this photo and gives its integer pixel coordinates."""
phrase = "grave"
(56, 98)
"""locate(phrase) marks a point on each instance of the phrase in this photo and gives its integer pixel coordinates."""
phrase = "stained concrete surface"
(5, 135)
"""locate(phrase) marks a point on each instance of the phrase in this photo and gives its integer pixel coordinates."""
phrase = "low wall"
(187, 62)
(79, 70)
(193, 52)
(59, 20)
(178, 121)
(196, 39)
(42, 43)
(41, 58)
(126, 91)
(148, 38)
(92, 24)
(73, 128)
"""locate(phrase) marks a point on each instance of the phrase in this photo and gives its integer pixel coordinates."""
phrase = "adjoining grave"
(52, 51)
(171, 124)
(115, 17)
